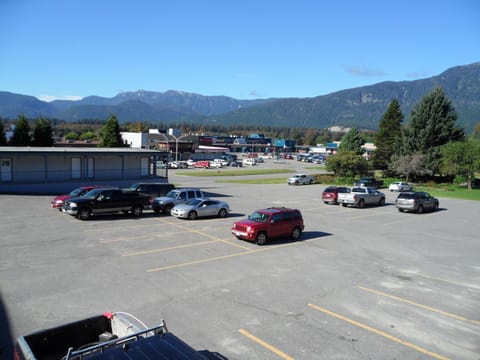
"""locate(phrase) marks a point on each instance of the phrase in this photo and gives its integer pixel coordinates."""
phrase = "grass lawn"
(451, 191)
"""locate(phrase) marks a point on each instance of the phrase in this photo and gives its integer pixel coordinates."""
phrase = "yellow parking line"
(142, 237)
(146, 252)
(379, 332)
(194, 262)
(265, 345)
(457, 317)
(472, 286)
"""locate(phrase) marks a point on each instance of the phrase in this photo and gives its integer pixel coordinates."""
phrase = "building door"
(76, 168)
(5, 169)
(144, 166)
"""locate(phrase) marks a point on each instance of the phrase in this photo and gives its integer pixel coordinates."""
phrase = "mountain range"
(360, 107)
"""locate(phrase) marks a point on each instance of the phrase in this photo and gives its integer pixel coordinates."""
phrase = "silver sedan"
(201, 207)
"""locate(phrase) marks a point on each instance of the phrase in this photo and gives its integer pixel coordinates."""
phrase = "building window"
(76, 168)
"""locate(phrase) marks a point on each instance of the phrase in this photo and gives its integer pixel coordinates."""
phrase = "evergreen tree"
(431, 125)
(43, 133)
(347, 163)
(353, 141)
(3, 139)
(388, 134)
(111, 136)
(21, 134)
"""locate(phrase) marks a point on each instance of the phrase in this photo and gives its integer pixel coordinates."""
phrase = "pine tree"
(388, 134)
(431, 125)
(111, 136)
(42, 133)
(353, 141)
(21, 134)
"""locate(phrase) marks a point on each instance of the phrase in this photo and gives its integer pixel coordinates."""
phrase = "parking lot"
(367, 283)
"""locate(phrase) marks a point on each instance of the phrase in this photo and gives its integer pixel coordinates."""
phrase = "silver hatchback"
(418, 201)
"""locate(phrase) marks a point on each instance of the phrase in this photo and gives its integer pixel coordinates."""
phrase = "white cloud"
(49, 98)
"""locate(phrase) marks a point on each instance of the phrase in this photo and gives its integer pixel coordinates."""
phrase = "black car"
(153, 189)
(369, 182)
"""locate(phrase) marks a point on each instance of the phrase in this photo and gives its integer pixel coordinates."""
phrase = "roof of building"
(83, 150)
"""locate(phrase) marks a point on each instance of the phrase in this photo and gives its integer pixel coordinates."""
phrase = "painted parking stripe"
(265, 345)
(438, 311)
(379, 332)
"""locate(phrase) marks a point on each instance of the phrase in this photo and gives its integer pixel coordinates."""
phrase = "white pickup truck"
(301, 179)
(361, 196)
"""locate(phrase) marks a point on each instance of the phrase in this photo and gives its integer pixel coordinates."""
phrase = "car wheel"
(325, 202)
(311, 182)
(344, 205)
(222, 213)
(296, 232)
(168, 210)
(382, 201)
(83, 214)
(400, 210)
(420, 209)
(156, 211)
(435, 208)
(137, 210)
(192, 215)
(261, 238)
(361, 204)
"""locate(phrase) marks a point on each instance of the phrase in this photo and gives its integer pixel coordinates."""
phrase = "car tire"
(382, 202)
(137, 210)
(261, 238)
(361, 204)
(84, 214)
(435, 208)
(296, 233)
(222, 213)
(192, 215)
(420, 209)
(311, 182)
(168, 210)
(400, 210)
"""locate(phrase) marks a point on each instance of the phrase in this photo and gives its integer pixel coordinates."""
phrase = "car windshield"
(172, 194)
(258, 217)
(406, 196)
(92, 194)
(194, 202)
(77, 192)
(133, 187)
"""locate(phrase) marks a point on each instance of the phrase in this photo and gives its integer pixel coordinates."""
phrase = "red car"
(265, 224)
(59, 200)
(330, 194)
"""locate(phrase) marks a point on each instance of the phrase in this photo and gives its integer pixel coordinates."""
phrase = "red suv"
(330, 194)
(265, 224)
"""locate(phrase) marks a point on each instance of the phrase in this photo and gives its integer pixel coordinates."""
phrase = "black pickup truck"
(107, 201)
(109, 336)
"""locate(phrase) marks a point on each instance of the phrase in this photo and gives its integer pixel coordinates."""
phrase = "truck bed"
(98, 338)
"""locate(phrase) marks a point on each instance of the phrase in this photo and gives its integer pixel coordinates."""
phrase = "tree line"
(429, 144)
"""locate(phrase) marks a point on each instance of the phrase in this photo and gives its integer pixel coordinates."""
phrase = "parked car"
(369, 182)
(249, 162)
(178, 196)
(300, 179)
(330, 194)
(416, 201)
(59, 200)
(400, 186)
(153, 189)
(236, 163)
(269, 223)
(200, 207)
(362, 196)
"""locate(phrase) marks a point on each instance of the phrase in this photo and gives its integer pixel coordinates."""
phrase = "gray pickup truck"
(362, 196)
(165, 204)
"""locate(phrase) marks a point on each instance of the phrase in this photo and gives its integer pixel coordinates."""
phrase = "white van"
(249, 162)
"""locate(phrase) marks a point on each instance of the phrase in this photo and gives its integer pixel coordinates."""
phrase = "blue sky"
(242, 49)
